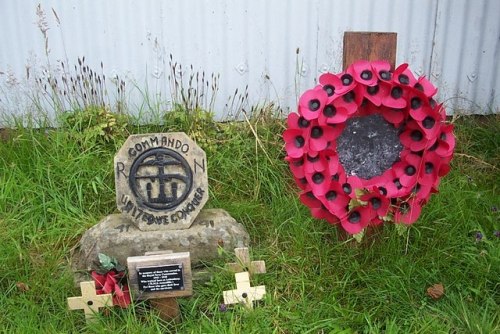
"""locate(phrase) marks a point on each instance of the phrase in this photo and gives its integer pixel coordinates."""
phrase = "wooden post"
(368, 46)
(168, 308)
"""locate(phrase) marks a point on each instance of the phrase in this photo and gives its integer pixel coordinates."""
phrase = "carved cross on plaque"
(89, 301)
(161, 180)
(244, 293)
(243, 263)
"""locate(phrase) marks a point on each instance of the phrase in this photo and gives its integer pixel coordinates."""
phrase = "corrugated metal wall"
(455, 42)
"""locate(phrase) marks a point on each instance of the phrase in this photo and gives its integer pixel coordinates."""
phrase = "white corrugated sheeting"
(454, 42)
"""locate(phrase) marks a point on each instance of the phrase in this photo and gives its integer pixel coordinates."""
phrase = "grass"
(55, 185)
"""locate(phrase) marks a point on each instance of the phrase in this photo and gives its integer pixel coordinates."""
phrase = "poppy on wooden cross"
(89, 301)
(243, 263)
(244, 293)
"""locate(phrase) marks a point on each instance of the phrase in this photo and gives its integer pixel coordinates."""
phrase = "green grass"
(53, 187)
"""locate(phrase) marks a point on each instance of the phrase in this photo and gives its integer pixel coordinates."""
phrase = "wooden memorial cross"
(161, 277)
(89, 301)
(243, 263)
(244, 293)
(368, 46)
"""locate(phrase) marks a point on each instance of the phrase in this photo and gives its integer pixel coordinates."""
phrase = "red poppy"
(395, 189)
(430, 168)
(393, 115)
(333, 115)
(356, 220)
(408, 212)
(319, 182)
(332, 85)
(320, 137)
(419, 105)
(403, 76)
(318, 210)
(382, 69)
(425, 86)
(379, 180)
(407, 170)
(340, 212)
(363, 73)
(376, 221)
(314, 163)
(378, 203)
(307, 198)
(323, 160)
(376, 94)
(439, 109)
(335, 130)
(445, 141)
(333, 162)
(444, 169)
(296, 166)
(302, 183)
(296, 121)
(312, 102)
(335, 200)
(350, 101)
(352, 183)
(414, 138)
(111, 282)
(340, 176)
(295, 143)
(347, 81)
(430, 125)
(447, 159)
(396, 98)
(422, 191)
(323, 213)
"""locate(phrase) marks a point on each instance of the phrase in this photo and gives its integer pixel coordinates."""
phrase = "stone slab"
(161, 180)
(118, 237)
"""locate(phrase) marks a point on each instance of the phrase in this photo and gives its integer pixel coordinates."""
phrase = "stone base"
(118, 237)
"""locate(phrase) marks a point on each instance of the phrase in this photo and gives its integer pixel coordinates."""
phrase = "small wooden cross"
(89, 301)
(244, 294)
(243, 263)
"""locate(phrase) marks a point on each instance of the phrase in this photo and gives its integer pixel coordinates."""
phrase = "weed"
(75, 88)
(192, 90)
(95, 125)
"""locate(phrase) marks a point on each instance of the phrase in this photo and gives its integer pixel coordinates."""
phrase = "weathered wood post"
(368, 46)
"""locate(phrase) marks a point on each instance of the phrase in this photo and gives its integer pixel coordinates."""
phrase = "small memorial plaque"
(160, 276)
(163, 278)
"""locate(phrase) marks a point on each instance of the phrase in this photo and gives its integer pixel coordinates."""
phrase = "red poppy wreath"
(317, 156)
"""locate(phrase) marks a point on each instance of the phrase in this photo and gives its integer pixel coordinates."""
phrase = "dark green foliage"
(199, 125)
(95, 125)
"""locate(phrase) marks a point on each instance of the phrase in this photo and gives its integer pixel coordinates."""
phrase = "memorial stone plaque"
(161, 180)
(160, 278)
(164, 275)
